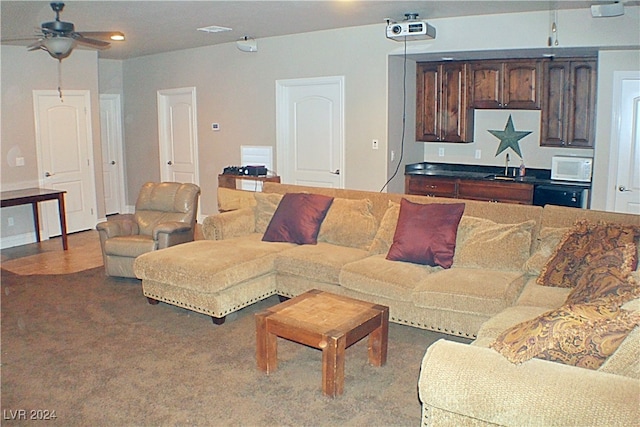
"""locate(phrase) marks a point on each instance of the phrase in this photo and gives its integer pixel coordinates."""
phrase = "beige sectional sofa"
(500, 249)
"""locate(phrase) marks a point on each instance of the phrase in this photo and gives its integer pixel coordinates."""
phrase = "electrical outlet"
(215, 126)
(374, 144)
(10, 221)
(441, 152)
(478, 154)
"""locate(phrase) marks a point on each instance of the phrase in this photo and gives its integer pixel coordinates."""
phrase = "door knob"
(336, 172)
(623, 188)
(47, 174)
(169, 162)
(113, 162)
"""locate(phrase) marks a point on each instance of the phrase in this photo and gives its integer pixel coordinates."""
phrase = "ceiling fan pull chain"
(60, 79)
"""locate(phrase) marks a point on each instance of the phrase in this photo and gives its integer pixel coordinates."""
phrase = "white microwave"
(568, 168)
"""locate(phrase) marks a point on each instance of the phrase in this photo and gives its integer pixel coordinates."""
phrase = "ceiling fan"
(59, 38)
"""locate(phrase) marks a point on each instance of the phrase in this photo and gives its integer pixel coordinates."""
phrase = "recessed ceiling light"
(214, 29)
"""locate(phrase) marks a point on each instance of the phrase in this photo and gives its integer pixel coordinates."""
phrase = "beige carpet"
(91, 349)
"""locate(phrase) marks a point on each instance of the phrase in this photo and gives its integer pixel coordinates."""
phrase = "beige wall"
(23, 72)
(237, 90)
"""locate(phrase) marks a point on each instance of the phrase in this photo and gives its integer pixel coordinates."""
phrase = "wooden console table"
(230, 180)
(33, 196)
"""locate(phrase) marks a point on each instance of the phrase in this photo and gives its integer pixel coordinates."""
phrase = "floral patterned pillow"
(585, 239)
(607, 277)
(582, 335)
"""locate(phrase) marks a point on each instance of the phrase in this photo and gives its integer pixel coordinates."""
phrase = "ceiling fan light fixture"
(59, 47)
(117, 36)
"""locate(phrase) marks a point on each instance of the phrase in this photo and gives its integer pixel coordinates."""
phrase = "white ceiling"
(160, 26)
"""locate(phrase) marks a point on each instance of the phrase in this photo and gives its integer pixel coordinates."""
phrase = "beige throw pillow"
(387, 228)
(487, 244)
(349, 222)
(266, 205)
(547, 241)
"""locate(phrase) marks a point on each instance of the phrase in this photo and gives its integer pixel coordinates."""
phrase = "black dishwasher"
(560, 195)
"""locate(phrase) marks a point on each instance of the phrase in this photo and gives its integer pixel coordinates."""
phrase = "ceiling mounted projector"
(411, 29)
(607, 10)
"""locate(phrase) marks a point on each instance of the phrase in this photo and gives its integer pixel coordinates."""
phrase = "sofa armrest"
(230, 224)
(124, 225)
(479, 383)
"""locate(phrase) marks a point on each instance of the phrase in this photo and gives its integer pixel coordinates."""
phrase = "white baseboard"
(18, 240)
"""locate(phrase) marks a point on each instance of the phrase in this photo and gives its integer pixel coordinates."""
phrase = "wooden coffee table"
(325, 321)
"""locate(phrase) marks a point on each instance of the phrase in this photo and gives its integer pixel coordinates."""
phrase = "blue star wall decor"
(509, 137)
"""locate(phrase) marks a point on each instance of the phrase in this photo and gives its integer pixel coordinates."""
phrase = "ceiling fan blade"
(37, 45)
(19, 39)
(101, 35)
(96, 44)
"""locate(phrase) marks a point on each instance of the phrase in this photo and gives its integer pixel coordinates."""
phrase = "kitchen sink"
(497, 177)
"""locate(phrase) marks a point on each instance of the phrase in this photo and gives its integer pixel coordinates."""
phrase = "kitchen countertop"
(488, 173)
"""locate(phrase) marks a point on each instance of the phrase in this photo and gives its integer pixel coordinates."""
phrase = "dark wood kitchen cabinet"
(568, 111)
(431, 186)
(511, 192)
(442, 103)
(506, 84)
(492, 191)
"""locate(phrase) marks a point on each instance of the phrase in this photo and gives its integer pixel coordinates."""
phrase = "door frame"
(162, 95)
(612, 177)
(45, 232)
(116, 105)
(283, 144)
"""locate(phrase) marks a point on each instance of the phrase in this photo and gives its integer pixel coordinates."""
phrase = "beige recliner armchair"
(165, 216)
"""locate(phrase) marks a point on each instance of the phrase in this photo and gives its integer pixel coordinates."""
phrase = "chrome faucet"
(506, 165)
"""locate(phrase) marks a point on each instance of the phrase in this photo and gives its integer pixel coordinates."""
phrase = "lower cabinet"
(512, 192)
(492, 191)
(428, 186)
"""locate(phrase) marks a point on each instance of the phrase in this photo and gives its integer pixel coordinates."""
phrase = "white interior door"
(177, 121)
(65, 157)
(310, 131)
(627, 128)
(112, 159)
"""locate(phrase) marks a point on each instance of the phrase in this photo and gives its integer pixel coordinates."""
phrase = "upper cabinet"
(568, 110)
(506, 84)
(442, 109)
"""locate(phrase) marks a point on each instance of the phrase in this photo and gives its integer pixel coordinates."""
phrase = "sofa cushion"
(507, 318)
(349, 222)
(387, 228)
(469, 290)
(542, 296)
(488, 244)
(210, 265)
(321, 262)
(230, 199)
(606, 276)
(266, 205)
(129, 246)
(378, 276)
(584, 239)
(298, 218)
(581, 335)
(426, 234)
(544, 246)
(626, 359)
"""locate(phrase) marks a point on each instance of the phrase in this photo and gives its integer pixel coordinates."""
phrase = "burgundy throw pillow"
(298, 218)
(426, 234)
